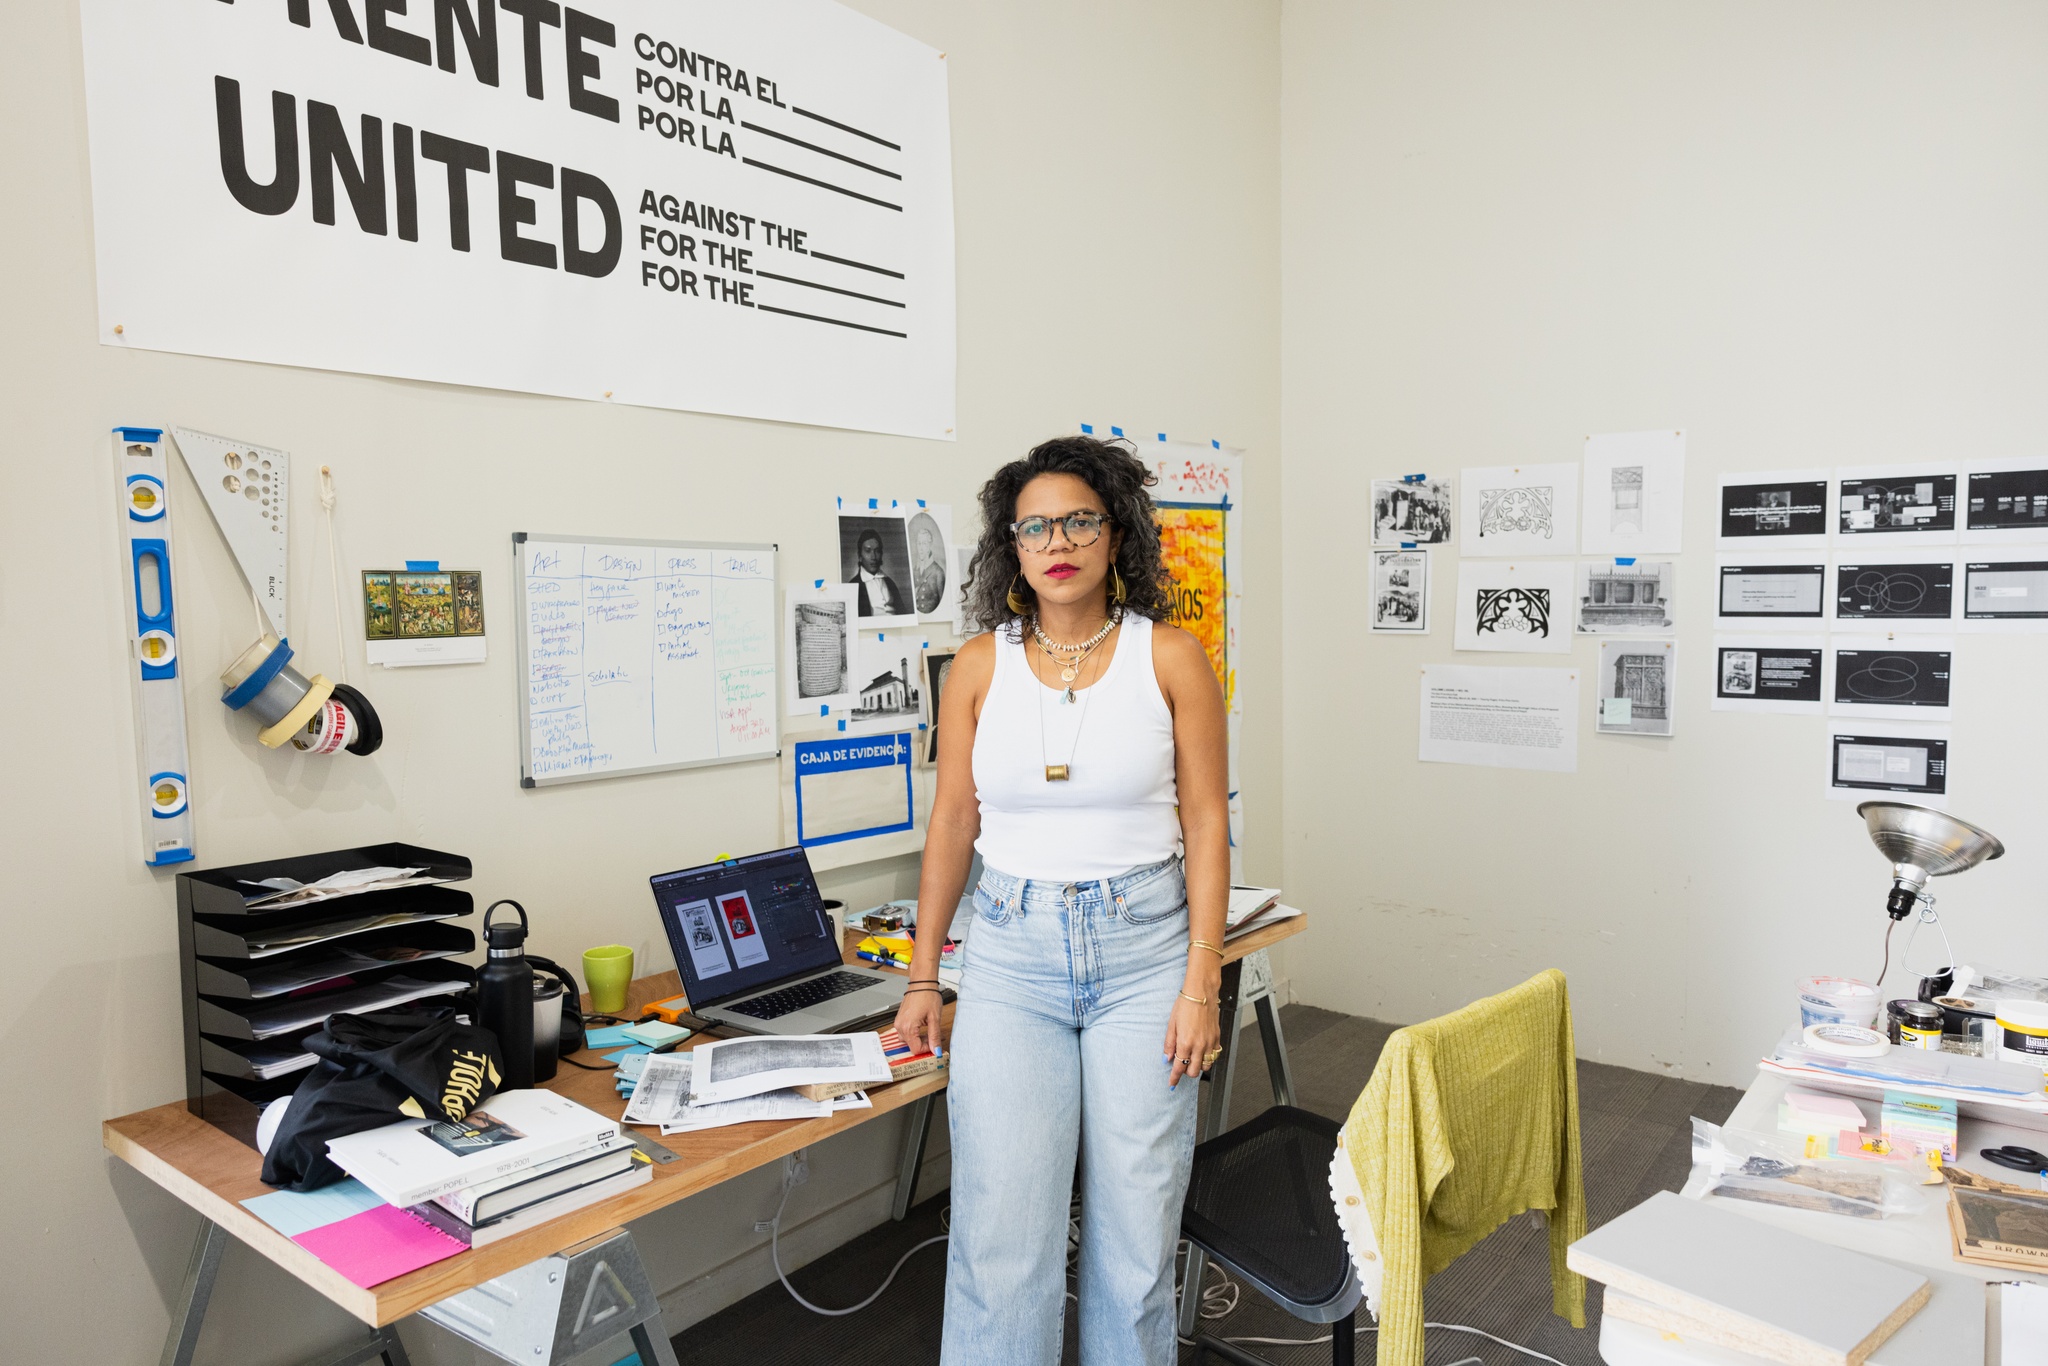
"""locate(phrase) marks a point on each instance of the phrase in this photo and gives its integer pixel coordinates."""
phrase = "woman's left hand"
(1192, 1033)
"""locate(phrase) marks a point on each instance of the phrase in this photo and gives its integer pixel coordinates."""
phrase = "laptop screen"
(742, 924)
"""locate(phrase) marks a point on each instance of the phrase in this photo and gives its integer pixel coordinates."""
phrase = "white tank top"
(1118, 808)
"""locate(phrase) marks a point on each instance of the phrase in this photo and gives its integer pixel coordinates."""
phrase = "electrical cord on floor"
(1220, 1301)
(775, 1256)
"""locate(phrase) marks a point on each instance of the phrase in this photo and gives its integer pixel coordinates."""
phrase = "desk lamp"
(1922, 843)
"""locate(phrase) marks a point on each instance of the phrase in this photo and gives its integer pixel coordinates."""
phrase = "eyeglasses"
(1082, 529)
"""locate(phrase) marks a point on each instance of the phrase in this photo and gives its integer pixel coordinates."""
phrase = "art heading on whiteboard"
(741, 210)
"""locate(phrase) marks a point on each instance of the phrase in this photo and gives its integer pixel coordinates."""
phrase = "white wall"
(1809, 235)
(1117, 198)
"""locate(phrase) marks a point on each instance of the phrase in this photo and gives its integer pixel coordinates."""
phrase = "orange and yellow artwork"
(1191, 547)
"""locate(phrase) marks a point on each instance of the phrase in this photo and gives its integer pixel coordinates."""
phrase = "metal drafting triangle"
(247, 488)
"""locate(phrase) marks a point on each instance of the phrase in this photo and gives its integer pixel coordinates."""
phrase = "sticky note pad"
(655, 1033)
(611, 1036)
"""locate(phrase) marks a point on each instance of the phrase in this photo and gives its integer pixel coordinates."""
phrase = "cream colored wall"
(1809, 235)
(1117, 199)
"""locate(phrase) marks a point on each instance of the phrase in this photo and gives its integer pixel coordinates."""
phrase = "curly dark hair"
(1119, 479)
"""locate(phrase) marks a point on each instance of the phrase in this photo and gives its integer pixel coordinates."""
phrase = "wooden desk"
(214, 1173)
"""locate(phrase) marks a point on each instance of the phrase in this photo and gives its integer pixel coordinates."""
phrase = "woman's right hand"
(917, 1021)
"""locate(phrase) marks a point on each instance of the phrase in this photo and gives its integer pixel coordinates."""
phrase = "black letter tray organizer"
(262, 972)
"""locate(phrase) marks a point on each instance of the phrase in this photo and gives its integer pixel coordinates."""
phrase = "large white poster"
(738, 209)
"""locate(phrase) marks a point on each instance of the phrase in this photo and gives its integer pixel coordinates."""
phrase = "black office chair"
(1259, 1203)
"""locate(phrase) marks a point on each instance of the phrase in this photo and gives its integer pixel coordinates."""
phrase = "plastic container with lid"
(1836, 1000)
(2022, 1031)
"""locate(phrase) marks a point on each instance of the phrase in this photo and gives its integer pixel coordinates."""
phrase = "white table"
(1919, 1240)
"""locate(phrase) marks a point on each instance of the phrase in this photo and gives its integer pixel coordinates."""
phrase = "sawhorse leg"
(563, 1306)
(912, 1161)
(190, 1311)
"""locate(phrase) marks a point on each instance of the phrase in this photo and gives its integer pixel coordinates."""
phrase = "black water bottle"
(504, 995)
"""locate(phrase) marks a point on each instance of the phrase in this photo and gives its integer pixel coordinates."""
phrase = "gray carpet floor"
(1636, 1135)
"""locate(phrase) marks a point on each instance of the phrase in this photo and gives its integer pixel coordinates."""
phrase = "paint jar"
(1916, 1024)
(2023, 1033)
(1836, 1000)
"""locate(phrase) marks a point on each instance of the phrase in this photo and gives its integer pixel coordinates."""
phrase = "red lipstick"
(1062, 571)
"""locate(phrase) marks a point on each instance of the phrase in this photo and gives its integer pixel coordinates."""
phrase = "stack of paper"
(741, 1081)
(1247, 902)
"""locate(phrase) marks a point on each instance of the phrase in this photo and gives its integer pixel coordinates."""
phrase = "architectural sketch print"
(1626, 485)
(1505, 511)
(1514, 611)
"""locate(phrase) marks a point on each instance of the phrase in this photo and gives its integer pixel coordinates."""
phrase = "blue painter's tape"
(817, 583)
(1116, 431)
(1413, 478)
(260, 679)
(1624, 559)
(1162, 436)
(1088, 427)
(1408, 545)
(920, 502)
(842, 725)
(824, 711)
(874, 502)
(1214, 444)
(422, 566)
(142, 434)
(920, 725)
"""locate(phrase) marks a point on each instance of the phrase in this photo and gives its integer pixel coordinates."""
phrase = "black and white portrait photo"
(874, 556)
(931, 575)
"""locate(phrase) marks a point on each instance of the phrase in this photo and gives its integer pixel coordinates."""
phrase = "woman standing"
(1082, 751)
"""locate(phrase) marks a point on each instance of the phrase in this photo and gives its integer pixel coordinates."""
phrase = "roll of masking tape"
(1846, 1041)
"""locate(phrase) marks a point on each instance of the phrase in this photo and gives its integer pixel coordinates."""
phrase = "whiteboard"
(637, 656)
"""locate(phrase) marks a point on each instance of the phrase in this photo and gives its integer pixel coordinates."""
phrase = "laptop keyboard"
(775, 1004)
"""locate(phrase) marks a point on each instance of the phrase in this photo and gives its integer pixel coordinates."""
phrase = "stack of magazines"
(520, 1159)
(740, 1081)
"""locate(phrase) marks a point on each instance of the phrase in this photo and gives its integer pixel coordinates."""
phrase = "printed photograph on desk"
(930, 530)
(817, 639)
(1519, 607)
(1637, 684)
(886, 685)
(1896, 504)
(874, 556)
(1403, 512)
(1519, 510)
(1400, 592)
(1633, 598)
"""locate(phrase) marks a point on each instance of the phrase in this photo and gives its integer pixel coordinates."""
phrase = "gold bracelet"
(1205, 944)
(1198, 1000)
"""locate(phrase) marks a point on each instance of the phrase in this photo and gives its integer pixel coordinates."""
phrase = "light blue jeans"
(1058, 1048)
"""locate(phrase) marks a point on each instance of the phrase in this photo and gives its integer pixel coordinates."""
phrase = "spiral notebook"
(348, 1227)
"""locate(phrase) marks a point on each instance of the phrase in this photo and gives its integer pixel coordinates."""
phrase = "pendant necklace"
(1060, 773)
(1075, 655)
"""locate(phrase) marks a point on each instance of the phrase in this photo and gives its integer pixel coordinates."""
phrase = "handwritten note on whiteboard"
(643, 655)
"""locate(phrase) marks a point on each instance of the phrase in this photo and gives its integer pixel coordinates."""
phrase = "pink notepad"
(378, 1244)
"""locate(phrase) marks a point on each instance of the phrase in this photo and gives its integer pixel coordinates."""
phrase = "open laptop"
(756, 950)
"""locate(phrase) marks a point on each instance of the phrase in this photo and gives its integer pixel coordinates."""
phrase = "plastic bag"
(1772, 1169)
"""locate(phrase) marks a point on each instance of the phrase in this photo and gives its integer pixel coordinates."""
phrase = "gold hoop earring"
(1017, 604)
(1116, 581)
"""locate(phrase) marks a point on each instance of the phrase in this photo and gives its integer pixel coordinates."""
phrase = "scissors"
(2018, 1158)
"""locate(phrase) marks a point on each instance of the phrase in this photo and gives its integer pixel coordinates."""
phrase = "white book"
(483, 1235)
(486, 1199)
(415, 1160)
